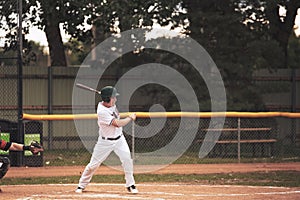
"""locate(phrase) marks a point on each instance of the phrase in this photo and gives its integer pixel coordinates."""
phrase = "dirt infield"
(171, 169)
(151, 191)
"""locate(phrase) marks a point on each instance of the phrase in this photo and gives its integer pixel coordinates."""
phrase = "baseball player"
(34, 147)
(110, 139)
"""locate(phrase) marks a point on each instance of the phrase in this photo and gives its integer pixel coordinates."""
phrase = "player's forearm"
(122, 122)
(16, 147)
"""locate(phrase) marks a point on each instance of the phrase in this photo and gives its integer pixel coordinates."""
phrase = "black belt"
(116, 138)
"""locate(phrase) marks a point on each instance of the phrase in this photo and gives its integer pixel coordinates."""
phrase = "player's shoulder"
(102, 109)
(100, 106)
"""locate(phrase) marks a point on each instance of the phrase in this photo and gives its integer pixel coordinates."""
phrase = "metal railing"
(243, 135)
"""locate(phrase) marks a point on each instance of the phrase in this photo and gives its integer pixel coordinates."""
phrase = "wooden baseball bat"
(87, 88)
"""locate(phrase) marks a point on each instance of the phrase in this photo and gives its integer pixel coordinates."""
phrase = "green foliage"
(265, 19)
(239, 35)
(31, 51)
(77, 51)
(9, 58)
(294, 52)
(220, 30)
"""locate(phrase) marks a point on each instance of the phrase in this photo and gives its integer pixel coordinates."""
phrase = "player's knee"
(92, 167)
(127, 161)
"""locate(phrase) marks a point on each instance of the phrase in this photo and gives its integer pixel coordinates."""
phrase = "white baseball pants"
(101, 151)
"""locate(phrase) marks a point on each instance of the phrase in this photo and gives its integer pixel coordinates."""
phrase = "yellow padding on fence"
(167, 114)
(58, 116)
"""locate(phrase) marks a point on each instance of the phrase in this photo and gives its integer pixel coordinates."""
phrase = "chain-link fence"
(9, 98)
(49, 91)
(241, 140)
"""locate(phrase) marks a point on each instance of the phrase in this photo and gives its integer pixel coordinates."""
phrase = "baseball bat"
(87, 88)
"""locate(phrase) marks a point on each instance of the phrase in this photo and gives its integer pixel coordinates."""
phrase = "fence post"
(50, 107)
(294, 102)
(20, 131)
(239, 139)
(132, 141)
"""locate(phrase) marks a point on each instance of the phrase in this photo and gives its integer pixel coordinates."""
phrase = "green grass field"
(278, 178)
(82, 157)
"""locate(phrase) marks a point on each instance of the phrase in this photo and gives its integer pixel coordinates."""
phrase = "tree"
(77, 51)
(294, 52)
(32, 51)
(275, 18)
(113, 16)
(238, 35)
(9, 24)
(73, 14)
(281, 27)
(218, 27)
(51, 15)
(47, 16)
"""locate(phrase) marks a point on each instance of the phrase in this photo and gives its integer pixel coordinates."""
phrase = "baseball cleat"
(79, 190)
(132, 189)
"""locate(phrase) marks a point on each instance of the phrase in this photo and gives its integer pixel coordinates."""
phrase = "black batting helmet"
(107, 92)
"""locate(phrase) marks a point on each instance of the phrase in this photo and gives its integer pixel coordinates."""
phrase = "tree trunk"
(282, 30)
(56, 47)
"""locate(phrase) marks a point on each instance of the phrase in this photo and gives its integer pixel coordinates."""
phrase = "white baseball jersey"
(105, 118)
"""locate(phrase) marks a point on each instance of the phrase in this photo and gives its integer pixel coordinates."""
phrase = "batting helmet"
(107, 92)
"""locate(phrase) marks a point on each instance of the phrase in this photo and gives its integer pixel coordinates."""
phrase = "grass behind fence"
(82, 157)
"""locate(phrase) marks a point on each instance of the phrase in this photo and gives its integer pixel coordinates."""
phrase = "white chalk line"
(97, 196)
(249, 194)
(139, 196)
(178, 185)
(91, 196)
(160, 185)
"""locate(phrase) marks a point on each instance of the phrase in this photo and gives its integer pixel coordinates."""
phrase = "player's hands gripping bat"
(132, 116)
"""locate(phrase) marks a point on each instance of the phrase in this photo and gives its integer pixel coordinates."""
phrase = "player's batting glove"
(34, 147)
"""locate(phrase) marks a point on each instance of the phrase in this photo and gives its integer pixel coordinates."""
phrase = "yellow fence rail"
(50, 117)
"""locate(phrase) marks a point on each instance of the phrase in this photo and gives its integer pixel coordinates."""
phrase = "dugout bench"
(260, 146)
(254, 141)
